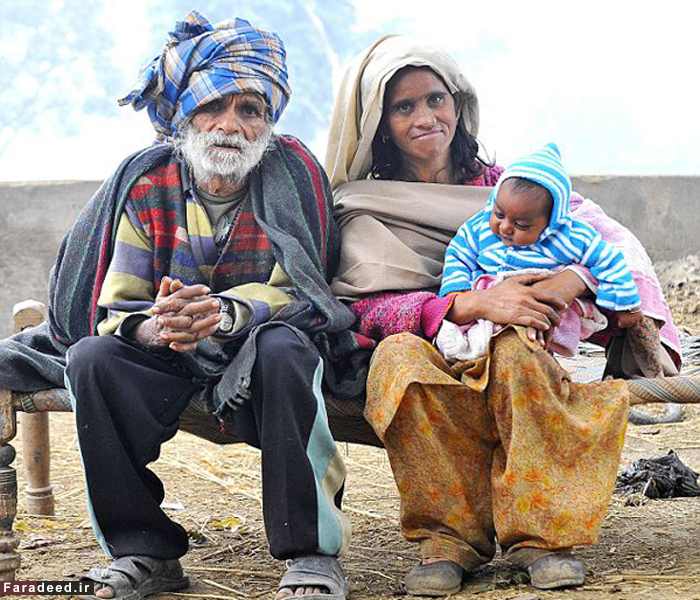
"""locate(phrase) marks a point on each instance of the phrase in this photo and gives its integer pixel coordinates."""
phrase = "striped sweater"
(162, 212)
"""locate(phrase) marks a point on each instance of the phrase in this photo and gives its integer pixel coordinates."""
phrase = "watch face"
(226, 323)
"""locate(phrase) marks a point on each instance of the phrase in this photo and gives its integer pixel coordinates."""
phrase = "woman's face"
(420, 115)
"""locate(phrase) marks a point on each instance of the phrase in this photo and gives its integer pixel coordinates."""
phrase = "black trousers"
(127, 402)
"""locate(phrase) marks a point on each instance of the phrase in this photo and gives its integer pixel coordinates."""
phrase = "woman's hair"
(464, 150)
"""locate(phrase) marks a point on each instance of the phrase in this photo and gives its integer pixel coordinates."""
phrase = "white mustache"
(216, 138)
(202, 151)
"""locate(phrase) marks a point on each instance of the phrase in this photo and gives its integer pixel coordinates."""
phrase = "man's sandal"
(556, 571)
(133, 577)
(316, 571)
(435, 579)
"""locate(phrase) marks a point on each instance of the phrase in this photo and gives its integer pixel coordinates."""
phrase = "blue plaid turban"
(201, 63)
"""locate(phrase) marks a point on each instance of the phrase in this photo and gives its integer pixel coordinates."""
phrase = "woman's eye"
(403, 108)
(436, 99)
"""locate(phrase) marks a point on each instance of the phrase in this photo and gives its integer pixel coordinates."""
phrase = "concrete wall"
(663, 211)
(33, 220)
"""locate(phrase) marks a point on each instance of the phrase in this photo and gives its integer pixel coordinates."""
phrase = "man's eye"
(213, 107)
(251, 109)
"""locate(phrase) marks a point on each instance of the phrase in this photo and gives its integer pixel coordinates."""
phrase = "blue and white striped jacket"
(475, 250)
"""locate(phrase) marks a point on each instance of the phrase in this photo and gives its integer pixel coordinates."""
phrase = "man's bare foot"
(313, 574)
(104, 591)
(290, 592)
(136, 576)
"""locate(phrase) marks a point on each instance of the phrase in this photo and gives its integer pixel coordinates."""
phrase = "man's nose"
(228, 121)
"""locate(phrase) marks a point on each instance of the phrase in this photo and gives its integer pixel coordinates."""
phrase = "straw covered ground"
(648, 549)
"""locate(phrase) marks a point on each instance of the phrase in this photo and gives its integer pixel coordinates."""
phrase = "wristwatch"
(228, 316)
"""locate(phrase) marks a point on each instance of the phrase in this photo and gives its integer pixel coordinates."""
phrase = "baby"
(527, 225)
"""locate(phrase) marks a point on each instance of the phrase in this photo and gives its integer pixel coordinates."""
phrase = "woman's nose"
(424, 117)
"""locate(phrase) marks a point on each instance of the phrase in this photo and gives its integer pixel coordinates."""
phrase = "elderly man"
(202, 263)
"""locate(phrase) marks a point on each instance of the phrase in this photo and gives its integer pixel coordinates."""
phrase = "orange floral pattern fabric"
(506, 447)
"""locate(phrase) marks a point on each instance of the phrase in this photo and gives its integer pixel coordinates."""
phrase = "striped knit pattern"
(201, 63)
(86, 250)
(545, 168)
(157, 237)
(475, 250)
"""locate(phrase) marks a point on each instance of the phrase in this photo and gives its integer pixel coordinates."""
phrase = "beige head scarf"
(358, 106)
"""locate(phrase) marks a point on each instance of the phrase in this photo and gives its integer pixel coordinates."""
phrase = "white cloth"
(468, 345)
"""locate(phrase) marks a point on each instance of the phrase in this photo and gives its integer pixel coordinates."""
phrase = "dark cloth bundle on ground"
(659, 477)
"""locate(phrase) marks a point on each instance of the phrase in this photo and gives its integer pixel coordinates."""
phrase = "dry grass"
(647, 549)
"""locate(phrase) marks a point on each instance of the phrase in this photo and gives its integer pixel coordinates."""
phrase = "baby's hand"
(537, 336)
(628, 318)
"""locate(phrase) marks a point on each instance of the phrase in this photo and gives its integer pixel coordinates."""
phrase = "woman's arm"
(384, 314)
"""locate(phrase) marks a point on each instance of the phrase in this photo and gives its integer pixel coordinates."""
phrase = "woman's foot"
(434, 577)
(556, 571)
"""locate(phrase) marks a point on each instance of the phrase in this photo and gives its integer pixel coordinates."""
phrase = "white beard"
(206, 161)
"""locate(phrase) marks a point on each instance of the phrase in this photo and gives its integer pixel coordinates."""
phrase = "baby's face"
(518, 218)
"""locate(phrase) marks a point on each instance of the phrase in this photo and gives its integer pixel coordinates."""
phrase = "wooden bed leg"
(9, 557)
(35, 428)
(36, 450)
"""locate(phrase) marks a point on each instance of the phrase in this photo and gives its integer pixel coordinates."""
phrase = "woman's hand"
(626, 319)
(184, 315)
(514, 301)
(566, 284)
(537, 336)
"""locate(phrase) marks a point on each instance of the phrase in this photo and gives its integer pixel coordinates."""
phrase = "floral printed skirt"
(504, 448)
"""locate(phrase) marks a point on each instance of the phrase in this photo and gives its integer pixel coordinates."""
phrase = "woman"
(503, 448)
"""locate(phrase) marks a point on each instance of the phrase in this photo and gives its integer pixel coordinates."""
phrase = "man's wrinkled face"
(226, 137)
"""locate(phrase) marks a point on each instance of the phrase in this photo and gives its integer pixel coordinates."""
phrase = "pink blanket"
(639, 263)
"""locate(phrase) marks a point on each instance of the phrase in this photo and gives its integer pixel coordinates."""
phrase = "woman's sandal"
(556, 571)
(316, 571)
(435, 579)
(133, 577)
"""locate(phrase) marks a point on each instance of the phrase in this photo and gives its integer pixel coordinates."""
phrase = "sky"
(613, 83)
